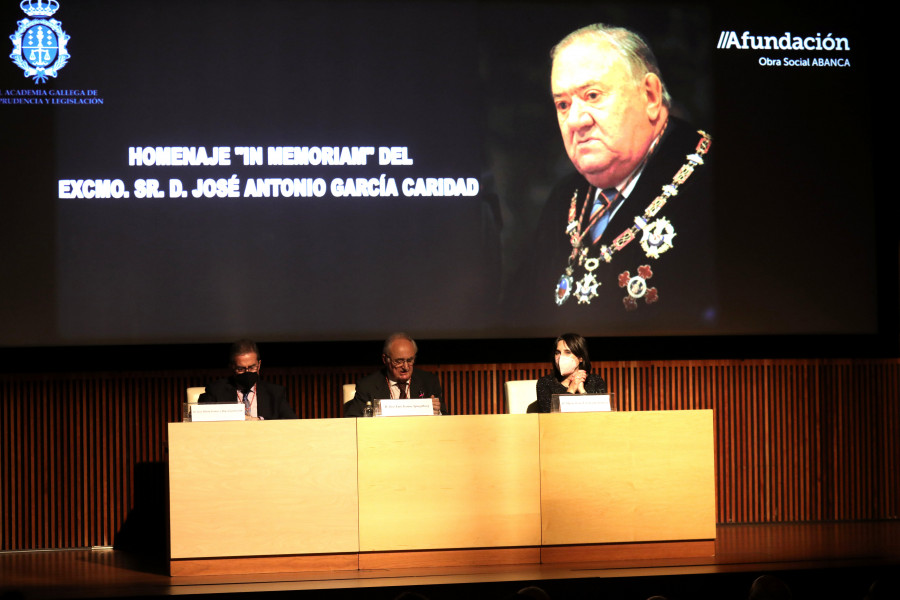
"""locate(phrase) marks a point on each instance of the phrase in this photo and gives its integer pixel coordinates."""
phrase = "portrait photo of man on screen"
(626, 238)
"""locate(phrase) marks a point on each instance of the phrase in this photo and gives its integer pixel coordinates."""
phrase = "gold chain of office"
(641, 222)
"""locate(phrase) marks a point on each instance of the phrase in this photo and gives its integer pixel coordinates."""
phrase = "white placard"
(226, 411)
(410, 407)
(585, 403)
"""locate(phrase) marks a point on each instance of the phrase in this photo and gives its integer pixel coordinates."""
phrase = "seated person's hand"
(576, 382)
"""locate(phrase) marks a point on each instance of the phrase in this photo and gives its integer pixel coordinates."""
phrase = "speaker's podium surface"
(332, 494)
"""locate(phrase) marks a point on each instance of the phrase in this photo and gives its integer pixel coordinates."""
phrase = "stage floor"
(807, 556)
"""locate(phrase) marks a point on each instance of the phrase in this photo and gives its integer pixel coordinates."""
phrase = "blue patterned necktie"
(246, 402)
(609, 199)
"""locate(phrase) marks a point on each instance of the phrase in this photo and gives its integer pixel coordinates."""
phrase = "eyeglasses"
(399, 361)
(250, 369)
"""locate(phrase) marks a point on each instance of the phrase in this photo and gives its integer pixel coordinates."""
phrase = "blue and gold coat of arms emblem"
(39, 44)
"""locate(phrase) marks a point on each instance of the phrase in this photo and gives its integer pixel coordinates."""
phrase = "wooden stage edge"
(638, 551)
(817, 556)
(247, 565)
(468, 557)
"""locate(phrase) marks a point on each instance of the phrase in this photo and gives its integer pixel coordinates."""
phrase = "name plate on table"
(572, 403)
(408, 407)
(217, 411)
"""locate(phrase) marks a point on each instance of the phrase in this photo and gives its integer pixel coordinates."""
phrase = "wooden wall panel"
(796, 440)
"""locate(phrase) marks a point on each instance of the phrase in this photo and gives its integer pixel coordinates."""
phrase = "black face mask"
(245, 381)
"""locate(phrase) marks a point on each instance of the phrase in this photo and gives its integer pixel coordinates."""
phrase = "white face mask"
(567, 365)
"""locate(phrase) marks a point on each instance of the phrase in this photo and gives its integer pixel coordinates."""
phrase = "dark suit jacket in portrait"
(682, 277)
(271, 398)
(373, 387)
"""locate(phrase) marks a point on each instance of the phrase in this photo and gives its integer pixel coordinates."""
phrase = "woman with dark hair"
(571, 372)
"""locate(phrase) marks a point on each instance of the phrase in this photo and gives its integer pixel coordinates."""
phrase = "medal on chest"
(656, 235)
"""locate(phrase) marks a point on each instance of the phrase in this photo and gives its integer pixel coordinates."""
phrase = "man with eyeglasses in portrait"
(262, 400)
(397, 379)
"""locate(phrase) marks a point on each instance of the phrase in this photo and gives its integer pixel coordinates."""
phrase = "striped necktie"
(606, 201)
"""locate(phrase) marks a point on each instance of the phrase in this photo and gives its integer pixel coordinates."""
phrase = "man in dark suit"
(397, 379)
(626, 241)
(262, 400)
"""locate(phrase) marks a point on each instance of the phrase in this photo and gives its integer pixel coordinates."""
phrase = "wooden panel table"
(273, 489)
(464, 482)
(628, 477)
(414, 491)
